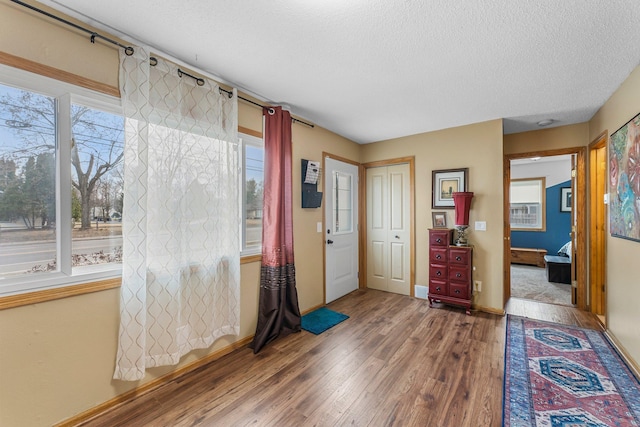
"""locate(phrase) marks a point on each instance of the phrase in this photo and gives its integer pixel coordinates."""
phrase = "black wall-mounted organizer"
(311, 197)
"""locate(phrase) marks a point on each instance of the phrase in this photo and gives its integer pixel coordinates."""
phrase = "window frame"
(254, 141)
(65, 94)
(542, 203)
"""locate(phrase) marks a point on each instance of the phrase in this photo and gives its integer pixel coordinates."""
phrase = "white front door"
(341, 228)
(389, 229)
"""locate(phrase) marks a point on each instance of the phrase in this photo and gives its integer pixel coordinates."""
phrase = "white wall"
(555, 169)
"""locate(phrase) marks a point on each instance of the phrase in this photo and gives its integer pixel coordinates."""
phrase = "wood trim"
(412, 224)
(361, 249)
(341, 159)
(631, 363)
(249, 131)
(412, 215)
(54, 73)
(597, 224)
(250, 258)
(152, 385)
(45, 295)
(506, 227)
(490, 310)
(362, 214)
(397, 160)
(309, 310)
(581, 207)
(581, 220)
(159, 382)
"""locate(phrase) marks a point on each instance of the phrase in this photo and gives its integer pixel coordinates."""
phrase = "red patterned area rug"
(560, 376)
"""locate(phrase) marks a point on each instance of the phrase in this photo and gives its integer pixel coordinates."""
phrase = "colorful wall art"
(624, 181)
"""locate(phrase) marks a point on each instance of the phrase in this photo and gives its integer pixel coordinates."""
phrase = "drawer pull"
(458, 258)
(438, 289)
(438, 256)
(438, 273)
(457, 291)
(438, 240)
(458, 275)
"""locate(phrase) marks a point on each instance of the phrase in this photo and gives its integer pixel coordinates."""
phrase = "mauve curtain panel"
(278, 311)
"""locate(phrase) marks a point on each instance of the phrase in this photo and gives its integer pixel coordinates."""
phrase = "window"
(252, 190)
(60, 183)
(342, 209)
(527, 204)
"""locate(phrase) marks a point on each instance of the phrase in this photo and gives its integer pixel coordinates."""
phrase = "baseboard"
(489, 310)
(158, 382)
(312, 309)
(633, 366)
(151, 385)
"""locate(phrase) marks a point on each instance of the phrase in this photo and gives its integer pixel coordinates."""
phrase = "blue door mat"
(321, 319)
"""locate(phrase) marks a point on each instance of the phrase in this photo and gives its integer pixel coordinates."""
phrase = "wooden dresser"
(449, 270)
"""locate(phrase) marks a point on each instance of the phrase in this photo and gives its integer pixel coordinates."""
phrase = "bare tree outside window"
(28, 124)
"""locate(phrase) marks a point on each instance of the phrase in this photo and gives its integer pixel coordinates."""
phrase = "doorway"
(597, 225)
(578, 222)
(341, 228)
(389, 226)
(541, 224)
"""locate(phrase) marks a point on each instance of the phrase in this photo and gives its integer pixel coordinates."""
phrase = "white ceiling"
(372, 70)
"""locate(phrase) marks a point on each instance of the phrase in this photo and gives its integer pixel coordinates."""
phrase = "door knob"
(329, 242)
(397, 237)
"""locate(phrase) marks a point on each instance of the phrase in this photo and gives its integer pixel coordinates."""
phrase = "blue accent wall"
(558, 226)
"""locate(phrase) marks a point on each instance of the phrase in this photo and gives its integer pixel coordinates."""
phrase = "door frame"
(324, 222)
(581, 206)
(329, 199)
(412, 217)
(597, 245)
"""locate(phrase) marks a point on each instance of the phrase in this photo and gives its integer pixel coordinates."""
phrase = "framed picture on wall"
(565, 199)
(445, 183)
(624, 181)
(439, 219)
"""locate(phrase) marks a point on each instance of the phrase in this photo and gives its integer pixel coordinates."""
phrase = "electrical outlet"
(477, 285)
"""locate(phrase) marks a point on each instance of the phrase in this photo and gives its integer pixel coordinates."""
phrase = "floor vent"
(421, 291)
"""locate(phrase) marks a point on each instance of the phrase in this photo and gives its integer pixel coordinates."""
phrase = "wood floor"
(395, 361)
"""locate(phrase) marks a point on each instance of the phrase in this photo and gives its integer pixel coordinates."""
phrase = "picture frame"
(565, 199)
(446, 182)
(439, 219)
(624, 181)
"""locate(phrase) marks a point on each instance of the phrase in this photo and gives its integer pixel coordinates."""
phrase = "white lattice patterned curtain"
(181, 266)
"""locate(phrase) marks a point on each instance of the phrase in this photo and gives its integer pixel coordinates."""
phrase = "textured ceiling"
(372, 70)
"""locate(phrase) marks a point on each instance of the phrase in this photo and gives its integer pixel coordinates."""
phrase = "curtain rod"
(127, 49)
(228, 92)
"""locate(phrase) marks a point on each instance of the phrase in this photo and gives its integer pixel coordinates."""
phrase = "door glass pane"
(342, 206)
(27, 183)
(97, 183)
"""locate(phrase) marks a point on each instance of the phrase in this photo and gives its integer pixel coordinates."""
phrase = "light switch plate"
(319, 227)
(481, 225)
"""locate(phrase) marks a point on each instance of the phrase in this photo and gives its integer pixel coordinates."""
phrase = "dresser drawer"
(438, 255)
(439, 237)
(437, 271)
(437, 287)
(461, 274)
(459, 256)
(459, 290)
